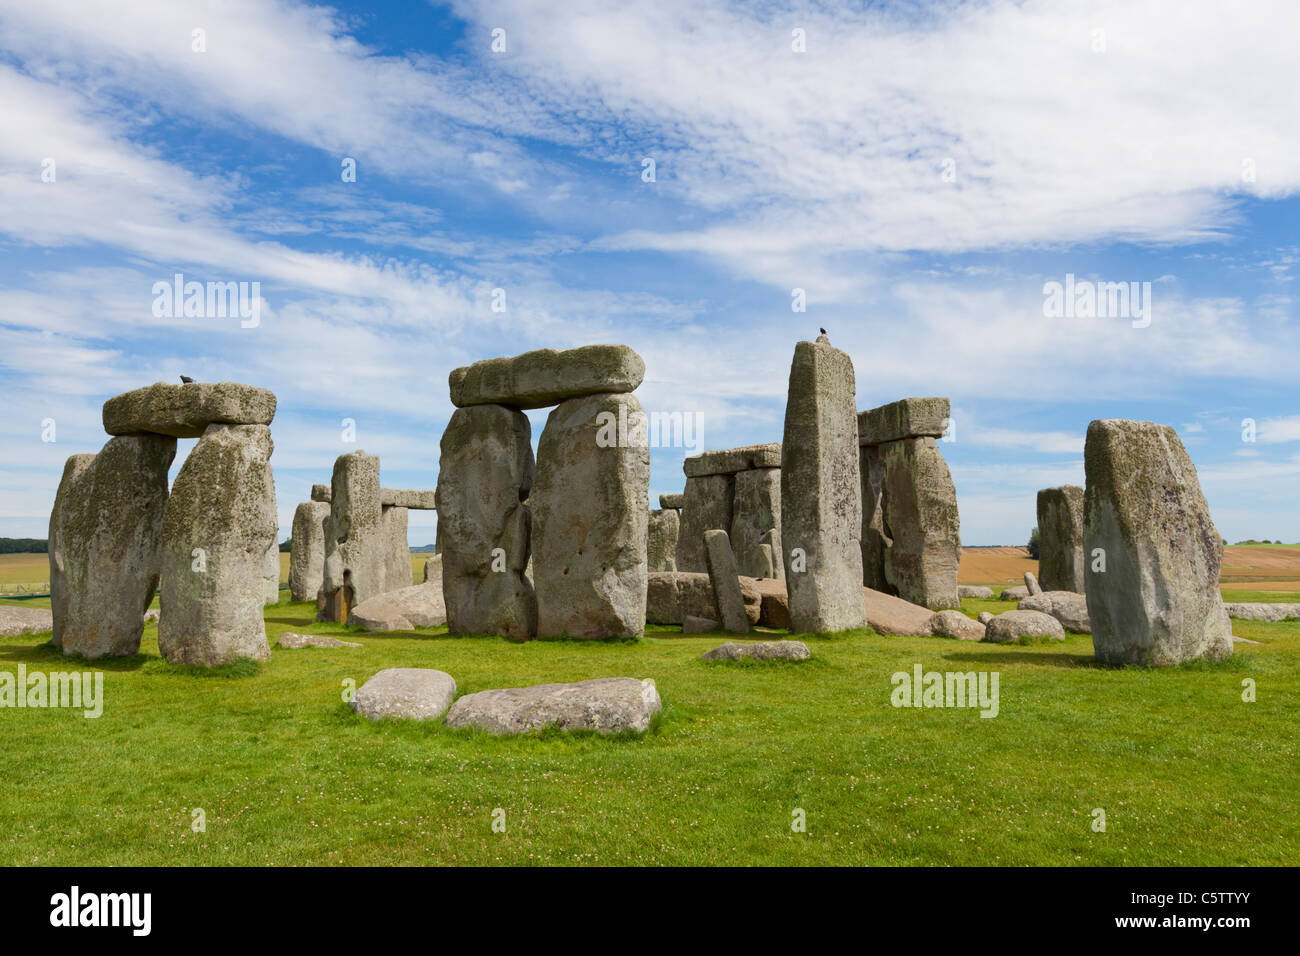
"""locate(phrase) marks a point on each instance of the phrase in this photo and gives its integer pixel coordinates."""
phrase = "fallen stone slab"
(952, 623)
(698, 625)
(299, 641)
(547, 376)
(888, 614)
(607, 705)
(905, 418)
(184, 411)
(672, 596)
(1262, 612)
(672, 501)
(774, 604)
(733, 460)
(1069, 608)
(766, 651)
(1016, 625)
(415, 693)
(1244, 640)
(973, 591)
(1017, 593)
(25, 620)
(418, 605)
(415, 500)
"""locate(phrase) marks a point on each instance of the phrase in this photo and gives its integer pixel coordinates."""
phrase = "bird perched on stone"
(823, 338)
(186, 380)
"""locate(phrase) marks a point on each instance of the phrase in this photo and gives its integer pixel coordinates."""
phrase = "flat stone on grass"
(415, 693)
(606, 705)
(766, 651)
(299, 641)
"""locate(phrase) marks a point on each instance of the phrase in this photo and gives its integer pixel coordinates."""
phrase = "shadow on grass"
(238, 670)
(47, 653)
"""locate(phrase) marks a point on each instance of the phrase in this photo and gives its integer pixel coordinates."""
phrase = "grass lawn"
(1186, 772)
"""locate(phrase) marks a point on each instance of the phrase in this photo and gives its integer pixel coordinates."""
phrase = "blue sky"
(920, 170)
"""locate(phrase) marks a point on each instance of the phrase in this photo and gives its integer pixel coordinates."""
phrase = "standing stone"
(397, 556)
(706, 506)
(876, 539)
(217, 527)
(661, 540)
(355, 546)
(105, 545)
(590, 518)
(74, 490)
(920, 513)
(1158, 600)
(307, 550)
(726, 586)
(271, 574)
(483, 524)
(1060, 538)
(1031, 583)
(755, 519)
(821, 494)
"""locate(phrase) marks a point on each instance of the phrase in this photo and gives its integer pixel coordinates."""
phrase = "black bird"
(186, 380)
(822, 331)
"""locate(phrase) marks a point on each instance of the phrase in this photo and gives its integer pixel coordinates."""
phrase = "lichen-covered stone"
(486, 473)
(547, 376)
(921, 520)
(766, 651)
(322, 493)
(1069, 608)
(1031, 584)
(300, 641)
(106, 545)
(974, 591)
(185, 411)
(1010, 626)
(672, 501)
(590, 518)
(672, 596)
(876, 539)
(956, 624)
(1157, 601)
(725, 582)
(397, 553)
(217, 526)
(732, 460)
(905, 418)
(307, 550)
(821, 497)
(418, 605)
(413, 499)
(1263, 612)
(405, 693)
(661, 540)
(755, 521)
(356, 547)
(707, 506)
(606, 705)
(1060, 538)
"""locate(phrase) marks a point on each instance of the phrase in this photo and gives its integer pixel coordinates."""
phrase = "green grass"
(1186, 772)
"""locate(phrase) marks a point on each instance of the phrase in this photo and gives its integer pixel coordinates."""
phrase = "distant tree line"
(24, 546)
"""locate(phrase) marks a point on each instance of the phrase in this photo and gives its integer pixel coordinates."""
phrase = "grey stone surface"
(973, 591)
(185, 411)
(433, 569)
(307, 550)
(1069, 608)
(222, 504)
(1060, 538)
(766, 651)
(486, 474)
(707, 505)
(956, 624)
(984, 617)
(356, 548)
(299, 641)
(821, 498)
(105, 547)
(1158, 601)
(672, 501)
(271, 573)
(725, 582)
(322, 493)
(547, 376)
(1017, 593)
(1017, 625)
(1031, 584)
(417, 605)
(692, 624)
(889, 614)
(732, 460)
(589, 521)
(755, 521)
(661, 540)
(415, 500)
(905, 418)
(774, 608)
(672, 596)
(921, 522)
(25, 620)
(1262, 612)
(397, 553)
(407, 693)
(606, 704)
(876, 539)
